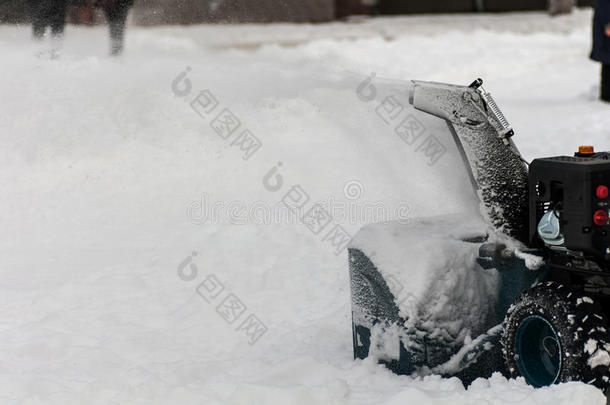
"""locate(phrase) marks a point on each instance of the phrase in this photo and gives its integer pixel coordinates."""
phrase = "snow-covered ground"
(114, 282)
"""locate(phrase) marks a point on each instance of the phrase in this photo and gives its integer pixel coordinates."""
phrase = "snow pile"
(441, 260)
(439, 289)
(532, 262)
(113, 292)
(599, 355)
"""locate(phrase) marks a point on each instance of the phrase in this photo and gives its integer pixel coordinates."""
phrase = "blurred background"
(153, 12)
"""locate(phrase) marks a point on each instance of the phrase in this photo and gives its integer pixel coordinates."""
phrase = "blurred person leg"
(117, 32)
(48, 13)
(58, 12)
(601, 44)
(605, 87)
(557, 7)
(39, 14)
(57, 17)
(117, 17)
(38, 29)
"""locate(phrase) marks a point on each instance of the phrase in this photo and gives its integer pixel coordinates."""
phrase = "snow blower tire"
(554, 334)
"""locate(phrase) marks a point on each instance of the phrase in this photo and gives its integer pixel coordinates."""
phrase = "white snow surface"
(532, 262)
(101, 161)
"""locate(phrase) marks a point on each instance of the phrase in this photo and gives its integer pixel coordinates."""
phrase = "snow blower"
(522, 287)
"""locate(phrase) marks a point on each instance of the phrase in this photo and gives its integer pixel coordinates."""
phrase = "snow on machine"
(521, 287)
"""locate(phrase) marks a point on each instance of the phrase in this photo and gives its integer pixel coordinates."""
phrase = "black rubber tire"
(577, 320)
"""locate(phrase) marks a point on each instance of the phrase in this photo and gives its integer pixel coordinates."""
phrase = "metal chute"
(484, 138)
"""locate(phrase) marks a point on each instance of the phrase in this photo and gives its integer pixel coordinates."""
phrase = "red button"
(602, 192)
(600, 217)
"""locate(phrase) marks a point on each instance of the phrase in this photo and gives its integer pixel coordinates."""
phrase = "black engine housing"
(568, 185)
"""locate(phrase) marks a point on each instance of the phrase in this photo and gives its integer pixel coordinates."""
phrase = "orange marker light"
(586, 150)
